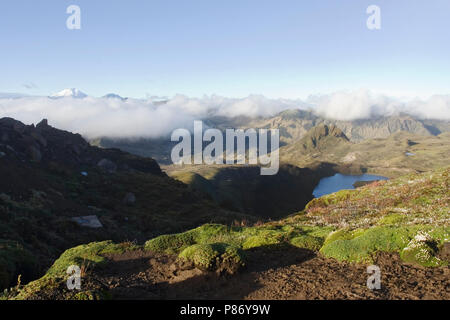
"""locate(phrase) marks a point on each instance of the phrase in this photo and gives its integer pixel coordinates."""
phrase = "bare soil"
(270, 274)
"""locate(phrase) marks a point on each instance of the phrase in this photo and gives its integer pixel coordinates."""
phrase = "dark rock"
(42, 124)
(19, 127)
(49, 145)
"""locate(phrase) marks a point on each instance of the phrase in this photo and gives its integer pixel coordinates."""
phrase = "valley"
(185, 153)
(321, 252)
(146, 214)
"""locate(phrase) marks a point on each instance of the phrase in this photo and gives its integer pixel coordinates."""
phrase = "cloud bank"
(362, 104)
(103, 117)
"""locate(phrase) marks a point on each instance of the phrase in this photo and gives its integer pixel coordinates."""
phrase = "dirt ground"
(270, 274)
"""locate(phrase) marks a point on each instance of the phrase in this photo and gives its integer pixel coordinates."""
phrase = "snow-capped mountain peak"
(72, 92)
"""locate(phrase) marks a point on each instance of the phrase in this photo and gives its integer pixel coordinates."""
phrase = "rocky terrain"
(57, 191)
(401, 225)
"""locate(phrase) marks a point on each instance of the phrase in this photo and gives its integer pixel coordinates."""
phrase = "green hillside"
(399, 154)
(409, 216)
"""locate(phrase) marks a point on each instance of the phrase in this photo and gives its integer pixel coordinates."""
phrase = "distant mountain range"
(73, 93)
(293, 125)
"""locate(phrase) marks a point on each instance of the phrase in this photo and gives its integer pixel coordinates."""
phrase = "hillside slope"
(51, 180)
(399, 154)
(402, 225)
(244, 189)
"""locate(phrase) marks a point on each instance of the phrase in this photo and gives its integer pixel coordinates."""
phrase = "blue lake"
(341, 181)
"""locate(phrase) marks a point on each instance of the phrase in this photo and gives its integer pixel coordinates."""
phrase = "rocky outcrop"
(46, 145)
(88, 222)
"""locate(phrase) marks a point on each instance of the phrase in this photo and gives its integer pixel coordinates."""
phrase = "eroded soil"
(270, 274)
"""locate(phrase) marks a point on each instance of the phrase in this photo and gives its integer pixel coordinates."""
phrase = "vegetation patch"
(392, 219)
(92, 255)
(408, 215)
(89, 256)
(215, 256)
(174, 243)
(383, 238)
(423, 250)
(307, 242)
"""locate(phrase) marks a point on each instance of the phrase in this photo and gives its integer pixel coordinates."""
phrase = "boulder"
(88, 221)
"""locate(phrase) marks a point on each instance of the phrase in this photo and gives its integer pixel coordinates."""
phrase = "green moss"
(174, 243)
(308, 242)
(423, 249)
(391, 219)
(342, 234)
(207, 232)
(42, 284)
(317, 231)
(214, 256)
(92, 255)
(259, 241)
(422, 253)
(360, 248)
(170, 243)
(88, 255)
(243, 237)
(202, 255)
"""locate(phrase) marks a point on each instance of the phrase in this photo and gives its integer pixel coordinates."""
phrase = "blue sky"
(284, 48)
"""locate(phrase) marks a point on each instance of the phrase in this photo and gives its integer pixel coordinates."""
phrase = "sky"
(233, 48)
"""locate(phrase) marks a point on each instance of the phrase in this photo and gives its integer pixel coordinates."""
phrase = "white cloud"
(353, 105)
(95, 117)
(363, 104)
